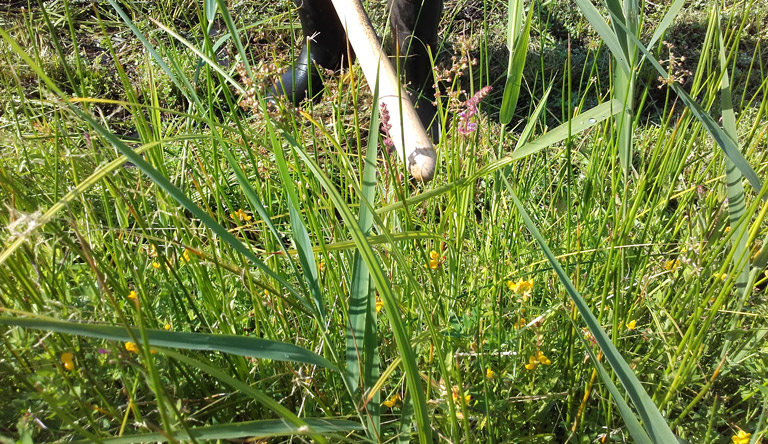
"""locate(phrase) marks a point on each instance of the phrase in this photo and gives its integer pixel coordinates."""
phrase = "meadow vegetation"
(181, 264)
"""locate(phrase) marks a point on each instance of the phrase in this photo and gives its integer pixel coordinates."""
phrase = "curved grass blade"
(577, 124)
(653, 420)
(402, 341)
(254, 430)
(246, 389)
(300, 235)
(181, 82)
(726, 143)
(606, 33)
(666, 22)
(515, 72)
(236, 345)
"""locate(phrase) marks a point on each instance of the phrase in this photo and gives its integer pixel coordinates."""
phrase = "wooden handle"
(411, 141)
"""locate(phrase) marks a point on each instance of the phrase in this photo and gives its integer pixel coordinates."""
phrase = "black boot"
(324, 44)
(414, 27)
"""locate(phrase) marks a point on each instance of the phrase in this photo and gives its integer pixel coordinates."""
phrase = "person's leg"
(414, 27)
(324, 44)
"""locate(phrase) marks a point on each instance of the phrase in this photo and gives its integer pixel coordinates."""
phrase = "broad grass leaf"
(236, 345)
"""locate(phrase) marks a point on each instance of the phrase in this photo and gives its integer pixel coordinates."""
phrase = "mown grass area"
(180, 265)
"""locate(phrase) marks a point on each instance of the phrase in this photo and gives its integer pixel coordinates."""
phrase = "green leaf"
(236, 345)
(362, 352)
(261, 429)
(515, 73)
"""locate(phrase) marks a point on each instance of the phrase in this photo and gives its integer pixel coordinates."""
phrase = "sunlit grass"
(283, 266)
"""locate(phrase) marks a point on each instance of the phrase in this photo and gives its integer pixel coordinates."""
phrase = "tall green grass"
(244, 273)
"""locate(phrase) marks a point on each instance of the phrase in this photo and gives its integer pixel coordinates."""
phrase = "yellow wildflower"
(721, 276)
(728, 229)
(519, 324)
(240, 215)
(392, 401)
(671, 265)
(741, 438)
(185, 255)
(631, 325)
(167, 326)
(156, 265)
(132, 295)
(434, 255)
(522, 287)
(321, 267)
(532, 363)
(489, 373)
(466, 398)
(379, 304)
(131, 347)
(543, 359)
(67, 360)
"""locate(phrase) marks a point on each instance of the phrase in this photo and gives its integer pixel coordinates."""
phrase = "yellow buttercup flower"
(489, 373)
(434, 255)
(156, 265)
(631, 325)
(167, 326)
(132, 295)
(741, 438)
(379, 304)
(132, 347)
(392, 401)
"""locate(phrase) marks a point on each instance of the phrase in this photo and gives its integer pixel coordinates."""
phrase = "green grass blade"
(300, 235)
(515, 72)
(666, 22)
(246, 389)
(726, 143)
(235, 36)
(253, 430)
(180, 81)
(201, 54)
(532, 119)
(606, 33)
(362, 352)
(653, 420)
(737, 201)
(236, 345)
(413, 381)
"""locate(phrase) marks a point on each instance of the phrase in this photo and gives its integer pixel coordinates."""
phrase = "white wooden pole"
(411, 141)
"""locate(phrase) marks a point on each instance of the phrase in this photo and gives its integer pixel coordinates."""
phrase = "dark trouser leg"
(414, 25)
(324, 43)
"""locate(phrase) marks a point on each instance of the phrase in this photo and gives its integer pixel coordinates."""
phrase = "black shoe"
(324, 45)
